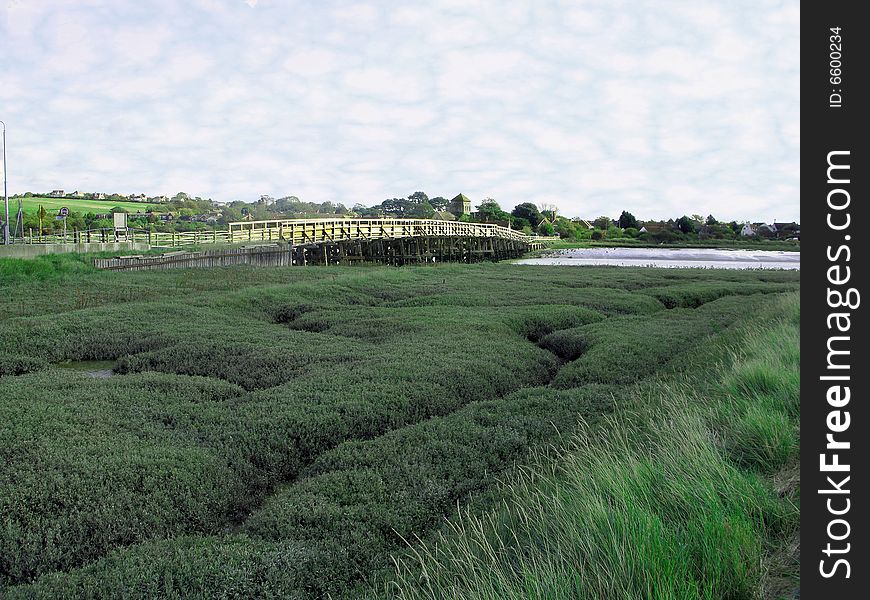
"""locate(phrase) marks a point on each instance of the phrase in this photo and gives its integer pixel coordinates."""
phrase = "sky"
(661, 108)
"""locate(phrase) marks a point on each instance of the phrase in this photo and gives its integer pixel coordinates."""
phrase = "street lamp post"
(5, 193)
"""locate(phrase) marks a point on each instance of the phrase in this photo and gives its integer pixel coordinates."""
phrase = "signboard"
(63, 212)
(120, 220)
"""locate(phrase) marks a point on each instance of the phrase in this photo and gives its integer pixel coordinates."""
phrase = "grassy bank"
(281, 432)
(689, 489)
(81, 205)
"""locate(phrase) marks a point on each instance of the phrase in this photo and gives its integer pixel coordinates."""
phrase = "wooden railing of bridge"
(313, 231)
(301, 231)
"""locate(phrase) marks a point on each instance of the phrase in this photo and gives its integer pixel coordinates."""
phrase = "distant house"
(653, 227)
(444, 215)
(77, 194)
(99, 196)
(767, 230)
(158, 199)
(56, 194)
(747, 230)
(137, 198)
(582, 222)
(460, 205)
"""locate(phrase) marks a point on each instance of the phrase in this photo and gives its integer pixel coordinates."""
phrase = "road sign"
(64, 211)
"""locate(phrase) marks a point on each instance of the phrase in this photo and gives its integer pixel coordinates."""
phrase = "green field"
(310, 432)
(53, 205)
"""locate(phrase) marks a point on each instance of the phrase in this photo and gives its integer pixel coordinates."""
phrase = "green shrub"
(88, 471)
(626, 349)
(693, 295)
(369, 495)
(645, 506)
(323, 413)
(12, 364)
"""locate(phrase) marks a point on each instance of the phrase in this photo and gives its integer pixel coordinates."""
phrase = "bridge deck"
(307, 231)
(299, 232)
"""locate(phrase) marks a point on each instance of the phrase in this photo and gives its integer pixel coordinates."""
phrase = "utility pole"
(5, 193)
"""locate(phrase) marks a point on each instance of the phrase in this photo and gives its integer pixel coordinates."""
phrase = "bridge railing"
(295, 232)
(302, 231)
(153, 238)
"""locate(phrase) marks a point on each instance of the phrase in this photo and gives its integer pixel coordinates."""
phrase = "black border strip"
(833, 211)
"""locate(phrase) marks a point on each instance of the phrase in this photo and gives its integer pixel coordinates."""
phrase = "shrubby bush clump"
(280, 431)
(16, 364)
(648, 504)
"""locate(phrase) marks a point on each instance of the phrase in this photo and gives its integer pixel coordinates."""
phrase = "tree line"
(184, 212)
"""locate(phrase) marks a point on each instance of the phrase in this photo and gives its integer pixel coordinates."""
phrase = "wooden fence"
(264, 256)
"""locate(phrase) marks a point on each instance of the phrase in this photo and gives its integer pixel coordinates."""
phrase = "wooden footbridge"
(337, 241)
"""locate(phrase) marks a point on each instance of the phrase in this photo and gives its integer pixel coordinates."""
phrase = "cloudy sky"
(662, 108)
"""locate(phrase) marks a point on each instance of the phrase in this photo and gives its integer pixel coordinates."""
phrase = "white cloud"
(659, 108)
(312, 63)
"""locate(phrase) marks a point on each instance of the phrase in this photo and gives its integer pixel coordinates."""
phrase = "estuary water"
(669, 258)
(99, 369)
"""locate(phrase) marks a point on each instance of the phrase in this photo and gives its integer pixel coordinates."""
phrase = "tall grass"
(13, 270)
(667, 500)
(322, 415)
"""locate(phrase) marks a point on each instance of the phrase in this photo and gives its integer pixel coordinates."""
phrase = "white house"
(747, 230)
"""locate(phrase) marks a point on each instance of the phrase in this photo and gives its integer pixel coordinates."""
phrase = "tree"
(418, 197)
(489, 211)
(41, 214)
(565, 228)
(527, 211)
(546, 228)
(602, 223)
(685, 224)
(438, 203)
(626, 220)
(520, 224)
(549, 210)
